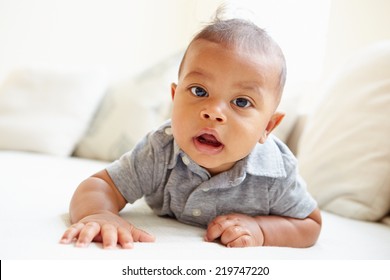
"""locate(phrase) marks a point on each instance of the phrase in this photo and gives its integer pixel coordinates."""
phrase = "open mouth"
(207, 142)
(208, 139)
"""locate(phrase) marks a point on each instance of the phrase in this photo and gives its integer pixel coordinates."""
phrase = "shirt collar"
(191, 165)
(267, 159)
(175, 155)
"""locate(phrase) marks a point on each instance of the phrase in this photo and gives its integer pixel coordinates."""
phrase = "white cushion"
(344, 152)
(48, 111)
(130, 110)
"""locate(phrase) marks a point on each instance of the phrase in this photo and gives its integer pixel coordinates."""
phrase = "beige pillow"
(386, 220)
(344, 152)
(48, 110)
(130, 110)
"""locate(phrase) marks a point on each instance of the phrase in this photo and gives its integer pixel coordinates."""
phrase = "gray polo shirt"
(264, 183)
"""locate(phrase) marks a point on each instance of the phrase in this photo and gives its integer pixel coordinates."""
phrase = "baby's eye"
(242, 102)
(199, 92)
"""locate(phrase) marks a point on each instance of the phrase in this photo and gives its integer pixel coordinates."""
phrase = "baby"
(215, 164)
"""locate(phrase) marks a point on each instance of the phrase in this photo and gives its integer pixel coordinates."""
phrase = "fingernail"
(81, 244)
(128, 245)
(64, 240)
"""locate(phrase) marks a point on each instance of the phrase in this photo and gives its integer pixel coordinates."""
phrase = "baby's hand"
(235, 230)
(106, 227)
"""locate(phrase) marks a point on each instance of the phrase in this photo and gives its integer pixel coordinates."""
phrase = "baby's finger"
(233, 233)
(217, 227)
(109, 236)
(242, 241)
(87, 234)
(141, 236)
(125, 238)
(71, 233)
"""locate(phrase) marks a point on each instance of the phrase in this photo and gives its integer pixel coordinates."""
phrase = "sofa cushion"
(46, 110)
(344, 152)
(130, 110)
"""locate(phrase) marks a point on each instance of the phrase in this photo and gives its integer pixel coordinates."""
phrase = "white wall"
(126, 36)
(355, 24)
(122, 36)
(300, 28)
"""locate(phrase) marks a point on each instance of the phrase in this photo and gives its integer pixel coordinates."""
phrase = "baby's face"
(223, 104)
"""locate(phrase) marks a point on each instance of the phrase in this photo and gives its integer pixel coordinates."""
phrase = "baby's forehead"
(199, 46)
(198, 49)
(250, 51)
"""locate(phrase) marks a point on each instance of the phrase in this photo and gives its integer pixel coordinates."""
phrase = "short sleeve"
(135, 173)
(289, 196)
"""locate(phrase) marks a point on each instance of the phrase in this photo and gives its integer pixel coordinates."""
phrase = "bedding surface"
(35, 191)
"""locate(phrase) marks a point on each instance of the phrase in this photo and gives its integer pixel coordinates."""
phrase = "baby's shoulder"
(282, 147)
(162, 135)
(160, 138)
(272, 159)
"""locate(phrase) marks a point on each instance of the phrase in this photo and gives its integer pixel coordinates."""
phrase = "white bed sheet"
(35, 191)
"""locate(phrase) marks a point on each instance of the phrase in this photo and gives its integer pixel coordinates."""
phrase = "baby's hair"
(245, 35)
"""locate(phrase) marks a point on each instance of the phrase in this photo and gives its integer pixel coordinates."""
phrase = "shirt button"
(206, 189)
(186, 161)
(168, 131)
(196, 212)
(236, 182)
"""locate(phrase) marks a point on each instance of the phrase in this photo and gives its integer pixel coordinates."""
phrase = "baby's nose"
(213, 113)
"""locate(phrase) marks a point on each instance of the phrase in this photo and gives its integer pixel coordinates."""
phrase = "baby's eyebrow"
(198, 74)
(249, 86)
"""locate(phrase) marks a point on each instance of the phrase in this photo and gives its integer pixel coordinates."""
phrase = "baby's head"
(244, 36)
(230, 83)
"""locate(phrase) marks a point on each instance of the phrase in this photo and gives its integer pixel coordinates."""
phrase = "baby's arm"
(238, 230)
(94, 213)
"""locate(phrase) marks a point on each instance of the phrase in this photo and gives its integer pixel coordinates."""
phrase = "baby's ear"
(275, 120)
(173, 90)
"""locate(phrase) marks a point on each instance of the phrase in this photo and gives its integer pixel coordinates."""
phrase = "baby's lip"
(209, 136)
(208, 139)
(208, 142)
